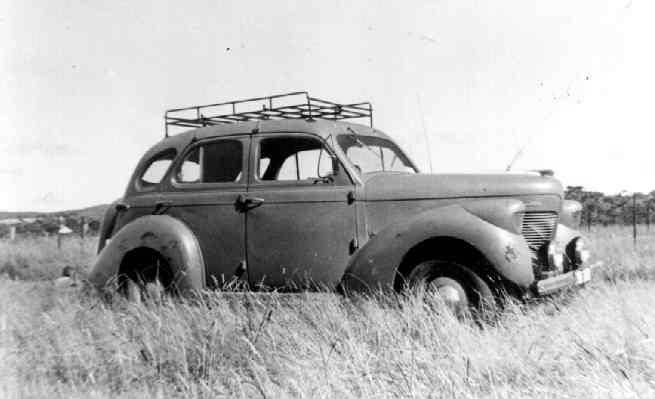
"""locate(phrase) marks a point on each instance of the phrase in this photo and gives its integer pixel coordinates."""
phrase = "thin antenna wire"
(425, 132)
(528, 141)
(516, 157)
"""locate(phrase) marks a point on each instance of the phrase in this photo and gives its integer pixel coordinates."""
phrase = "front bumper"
(573, 278)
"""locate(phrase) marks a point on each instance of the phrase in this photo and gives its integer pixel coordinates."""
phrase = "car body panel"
(165, 234)
(300, 236)
(571, 214)
(402, 186)
(374, 266)
(135, 207)
(219, 228)
(380, 214)
(565, 235)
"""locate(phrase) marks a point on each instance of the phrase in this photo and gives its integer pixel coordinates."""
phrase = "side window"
(156, 169)
(216, 162)
(293, 158)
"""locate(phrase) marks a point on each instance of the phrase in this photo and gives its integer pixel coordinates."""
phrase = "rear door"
(300, 226)
(205, 185)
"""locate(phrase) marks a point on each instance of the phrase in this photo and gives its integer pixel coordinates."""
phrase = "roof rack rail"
(295, 105)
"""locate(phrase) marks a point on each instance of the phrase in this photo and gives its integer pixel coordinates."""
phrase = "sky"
(468, 85)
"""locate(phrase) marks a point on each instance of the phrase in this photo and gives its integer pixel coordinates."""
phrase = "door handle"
(161, 207)
(121, 206)
(245, 203)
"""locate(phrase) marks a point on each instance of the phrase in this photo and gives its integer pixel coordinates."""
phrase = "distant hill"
(93, 212)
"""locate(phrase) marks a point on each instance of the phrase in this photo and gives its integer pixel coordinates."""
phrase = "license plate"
(582, 276)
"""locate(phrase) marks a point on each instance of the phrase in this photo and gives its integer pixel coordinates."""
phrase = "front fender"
(374, 266)
(565, 235)
(162, 233)
(564, 239)
(571, 213)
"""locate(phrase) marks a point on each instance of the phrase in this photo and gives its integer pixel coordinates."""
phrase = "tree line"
(49, 225)
(603, 209)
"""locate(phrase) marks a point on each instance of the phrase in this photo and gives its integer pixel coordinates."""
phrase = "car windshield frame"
(346, 141)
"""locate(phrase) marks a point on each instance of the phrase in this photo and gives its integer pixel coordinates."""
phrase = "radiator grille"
(538, 228)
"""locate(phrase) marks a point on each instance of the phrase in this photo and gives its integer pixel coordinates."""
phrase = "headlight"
(576, 252)
(555, 257)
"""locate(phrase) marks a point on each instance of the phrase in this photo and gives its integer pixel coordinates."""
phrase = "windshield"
(374, 154)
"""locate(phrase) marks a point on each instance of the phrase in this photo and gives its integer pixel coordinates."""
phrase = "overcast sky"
(83, 84)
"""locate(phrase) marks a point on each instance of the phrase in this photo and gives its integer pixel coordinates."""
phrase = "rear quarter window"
(156, 169)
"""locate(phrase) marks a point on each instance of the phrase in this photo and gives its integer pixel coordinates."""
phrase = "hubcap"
(133, 292)
(451, 292)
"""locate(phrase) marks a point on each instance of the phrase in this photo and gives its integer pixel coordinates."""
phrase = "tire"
(460, 288)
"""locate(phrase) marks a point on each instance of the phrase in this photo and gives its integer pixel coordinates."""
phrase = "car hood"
(403, 186)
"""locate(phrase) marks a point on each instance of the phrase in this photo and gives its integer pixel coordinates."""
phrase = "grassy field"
(596, 342)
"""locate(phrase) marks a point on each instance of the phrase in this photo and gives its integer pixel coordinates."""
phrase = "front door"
(205, 187)
(301, 227)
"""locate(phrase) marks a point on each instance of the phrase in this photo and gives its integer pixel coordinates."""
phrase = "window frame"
(403, 156)
(341, 179)
(188, 186)
(140, 185)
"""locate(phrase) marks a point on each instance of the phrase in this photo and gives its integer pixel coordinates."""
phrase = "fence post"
(648, 215)
(634, 218)
(82, 227)
(589, 220)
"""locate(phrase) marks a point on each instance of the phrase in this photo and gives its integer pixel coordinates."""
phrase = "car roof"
(319, 127)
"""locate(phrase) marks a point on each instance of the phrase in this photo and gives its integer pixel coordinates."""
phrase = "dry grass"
(623, 259)
(39, 258)
(597, 342)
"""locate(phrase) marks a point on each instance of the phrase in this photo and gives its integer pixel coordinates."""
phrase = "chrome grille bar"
(538, 228)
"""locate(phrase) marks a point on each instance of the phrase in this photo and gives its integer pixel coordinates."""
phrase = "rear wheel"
(138, 291)
(460, 288)
(145, 275)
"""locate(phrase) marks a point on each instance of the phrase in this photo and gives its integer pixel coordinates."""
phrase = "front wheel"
(460, 288)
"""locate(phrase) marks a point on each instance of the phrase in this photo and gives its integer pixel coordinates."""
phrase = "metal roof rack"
(295, 105)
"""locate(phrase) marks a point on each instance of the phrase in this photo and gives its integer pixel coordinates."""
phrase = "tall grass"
(595, 342)
(623, 258)
(39, 258)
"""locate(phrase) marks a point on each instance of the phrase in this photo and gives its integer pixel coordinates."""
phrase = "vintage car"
(291, 197)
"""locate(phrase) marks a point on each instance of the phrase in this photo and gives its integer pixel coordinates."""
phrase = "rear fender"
(168, 236)
(375, 265)
(107, 225)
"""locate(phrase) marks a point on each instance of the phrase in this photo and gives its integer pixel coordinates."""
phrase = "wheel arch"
(445, 248)
(163, 235)
(376, 264)
(136, 263)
